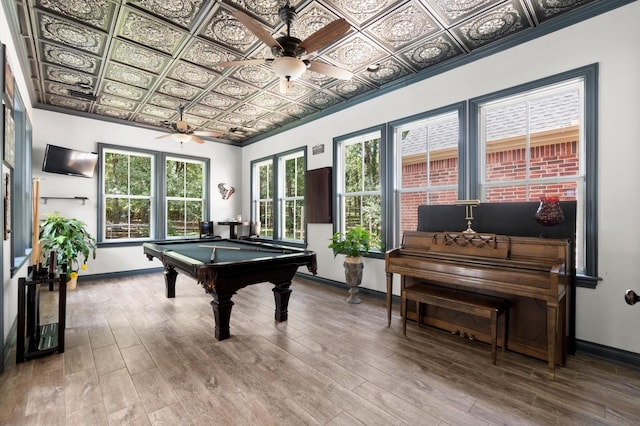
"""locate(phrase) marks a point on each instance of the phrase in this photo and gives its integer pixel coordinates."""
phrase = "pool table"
(223, 267)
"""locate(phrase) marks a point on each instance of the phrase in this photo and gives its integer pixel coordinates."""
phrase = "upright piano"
(533, 273)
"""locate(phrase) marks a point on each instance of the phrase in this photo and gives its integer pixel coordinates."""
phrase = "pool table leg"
(170, 275)
(221, 305)
(281, 293)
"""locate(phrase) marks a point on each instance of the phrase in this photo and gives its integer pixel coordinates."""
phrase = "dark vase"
(549, 212)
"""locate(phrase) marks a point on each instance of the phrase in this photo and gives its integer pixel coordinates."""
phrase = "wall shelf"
(83, 199)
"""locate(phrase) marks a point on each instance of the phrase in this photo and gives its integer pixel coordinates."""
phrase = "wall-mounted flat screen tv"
(65, 161)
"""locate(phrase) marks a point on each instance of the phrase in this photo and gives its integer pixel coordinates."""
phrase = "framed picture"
(9, 138)
(7, 205)
(9, 87)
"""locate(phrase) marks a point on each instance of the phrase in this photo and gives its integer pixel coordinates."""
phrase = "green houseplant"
(69, 238)
(353, 244)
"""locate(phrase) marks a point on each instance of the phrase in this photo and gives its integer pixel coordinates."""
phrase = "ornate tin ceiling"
(136, 61)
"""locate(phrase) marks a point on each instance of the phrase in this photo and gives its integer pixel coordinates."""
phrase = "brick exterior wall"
(550, 160)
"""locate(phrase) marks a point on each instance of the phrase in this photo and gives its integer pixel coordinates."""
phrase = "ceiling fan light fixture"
(286, 87)
(181, 137)
(288, 68)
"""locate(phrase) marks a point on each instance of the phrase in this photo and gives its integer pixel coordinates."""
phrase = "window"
(359, 181)
(539, 140)
(185, 197)
(264, 194)
(277, 195)
(150, 195)
(128, 209)
(427, 167)
(291, 188)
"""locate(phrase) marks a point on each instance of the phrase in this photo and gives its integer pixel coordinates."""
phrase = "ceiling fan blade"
(164, 136)
(325, 36)
(208, 133)
(242, 63)
(330, 70)
(196, 139)
(256, 29)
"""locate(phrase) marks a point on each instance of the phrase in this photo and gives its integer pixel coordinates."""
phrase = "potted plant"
(353, 244)
(69, 239)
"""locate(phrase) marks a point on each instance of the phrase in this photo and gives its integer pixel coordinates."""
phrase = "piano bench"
(480, 305)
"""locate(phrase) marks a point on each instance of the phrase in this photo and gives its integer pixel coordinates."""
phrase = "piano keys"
(534, 274)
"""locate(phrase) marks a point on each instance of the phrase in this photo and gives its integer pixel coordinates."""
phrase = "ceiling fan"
(288, 50)
(182, 132)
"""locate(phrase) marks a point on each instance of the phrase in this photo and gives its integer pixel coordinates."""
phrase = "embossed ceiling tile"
(147, 119)
(97, 13)
(71, 34)
(225, 29)
(234, 89)
(111, 112)
(70, 58)
(454, 11)
(389, 69)
(257, 75)
(194, 120)
(277, 119)
(265, 10)
(139, 57)
(181, 12)
(322, 100)
(157, 111)
(298, 110)
(129, 75)
(219, 101)
(179, 90)
(59, 89)
(406, 25)
(193, 75)
(150, 32)
(65, 102)
(123, 90)
(165, 101)
(268, 101)
(355, 52)
(311, 19)
(67, 76)
(206, 54)
(546, 9)
(116, 102)
(497, 23)
(432, 51)
(350, 88)
(204, 111)
(251, 111)
(235, 119)
(261, 126)
(362, 11)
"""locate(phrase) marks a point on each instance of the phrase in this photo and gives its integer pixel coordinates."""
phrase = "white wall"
(611, 40)
(85, 134)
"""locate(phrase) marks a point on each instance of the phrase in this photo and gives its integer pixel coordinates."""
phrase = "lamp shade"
(288, 67)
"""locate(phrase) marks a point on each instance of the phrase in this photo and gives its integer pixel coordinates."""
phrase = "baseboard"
(619, 356)
(119, 274)
(9, 343)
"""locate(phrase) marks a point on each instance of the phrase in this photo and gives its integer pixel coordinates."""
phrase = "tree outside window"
(185, 197)
(127, 195)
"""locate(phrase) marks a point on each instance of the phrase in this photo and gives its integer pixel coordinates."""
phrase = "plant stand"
(353, 276)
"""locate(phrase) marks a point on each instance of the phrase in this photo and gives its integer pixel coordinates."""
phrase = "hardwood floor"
(135, 357)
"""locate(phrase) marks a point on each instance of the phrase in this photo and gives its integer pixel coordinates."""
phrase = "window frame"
(277, 193)
(393, 233)
(338, 182)
(589, 74)
(157, 222)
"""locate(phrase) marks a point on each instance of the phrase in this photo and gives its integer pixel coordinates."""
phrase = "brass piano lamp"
(468, 209)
